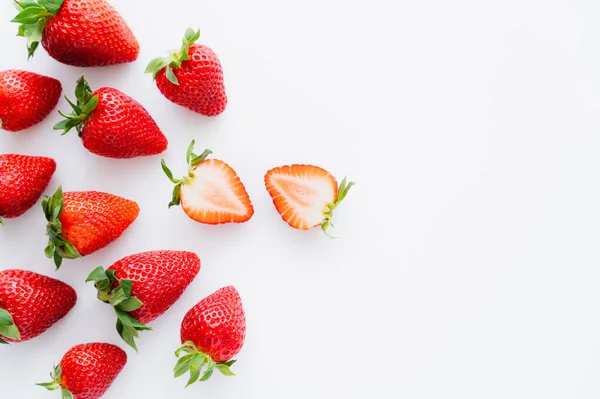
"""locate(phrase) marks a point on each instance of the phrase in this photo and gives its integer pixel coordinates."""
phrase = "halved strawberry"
(212, 193)
(305, 195)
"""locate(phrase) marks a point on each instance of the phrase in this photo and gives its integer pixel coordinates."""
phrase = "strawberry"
(23, 179)
(83, 222)
(212, 333)
(143, 286)
(212, 193)
(31, 303)
(83, 33)
(26, 98)
(112, 124)
(86, 371)
(192, 77)
(305, 195)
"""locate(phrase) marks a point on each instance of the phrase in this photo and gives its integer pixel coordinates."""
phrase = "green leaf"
(188, 346)
(90, 105)
(51, 386)
(33, 32)
(3, 342)
(98, 274)
(117, 296)
(30, 15)
(49, 250)
(168, 172)
(128, 334)
(127, 320)
(171, 76)
(193, 377)
(53, 6)
(130, 304)
(66, 394)
(198, 361)
(224, 369)
(183, 365)
(11, 332)
(126, 285)
(190, 151)
(61, 125)
(5, 318)
(201, 158)
(83, 91)
(57, 260)
(176, 197)
(229, 363)
(209, 370)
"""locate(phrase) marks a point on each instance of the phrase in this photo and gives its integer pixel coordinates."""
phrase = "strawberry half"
(143, 286)
(31, 303)
(192, 77)
(86, 371)
(112, 124)
(305, 195)
(212, 193)
(26, 98)
(83, 33)
(23, 179)
(83, 222)
(212, 333)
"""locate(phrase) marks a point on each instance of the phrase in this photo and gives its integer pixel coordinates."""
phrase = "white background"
(468, 262)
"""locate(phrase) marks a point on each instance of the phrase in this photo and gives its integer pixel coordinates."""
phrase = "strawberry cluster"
(143, 286)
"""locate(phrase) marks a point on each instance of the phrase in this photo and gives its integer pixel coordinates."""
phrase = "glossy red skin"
(26, 98)
(201, 86)
(35, 302)
(88, 370)
(159, 279)
(89, 33)
(23, 179)
(91, 219)
(120, 127)
(216, 325)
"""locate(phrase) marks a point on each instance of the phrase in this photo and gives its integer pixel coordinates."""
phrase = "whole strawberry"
(143, 286)
(23, 179)
(192, 78)
(112, 124)
(211, 193)
(212, 333)
(31, 303)
(86, 371)
(83, 222)
(26, 98)
(83, 33)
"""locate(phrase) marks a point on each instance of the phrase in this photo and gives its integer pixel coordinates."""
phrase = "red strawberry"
(83, 33)
(83, 222)
(23, 179)
(212, 333)
(31, 303)
(305, 195)
(192, 78)
(86, 371)
(26, 98)
(143, 286)
(212, 193)
(112, 124)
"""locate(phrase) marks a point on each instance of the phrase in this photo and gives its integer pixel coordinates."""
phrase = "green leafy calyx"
(119, 296)
(174, 60)
(342, 192)
(8, 329)
(32, 18)
(58, 247)
(199, 364)
(56, 383)
(193, 160)
(86, 103)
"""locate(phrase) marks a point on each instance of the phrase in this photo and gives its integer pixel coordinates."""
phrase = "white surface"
(468, 263)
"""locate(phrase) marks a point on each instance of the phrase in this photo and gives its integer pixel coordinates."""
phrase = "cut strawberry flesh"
(216, 195)
(301, 194)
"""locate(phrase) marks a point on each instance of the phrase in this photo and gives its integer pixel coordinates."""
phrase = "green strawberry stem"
(32, 18)
(121, 300)
(342, 192)
(58, 247)
(195, 361)
(192, 160)
(175, 59)
(86, 103)
(56, 383)
(8, 329)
